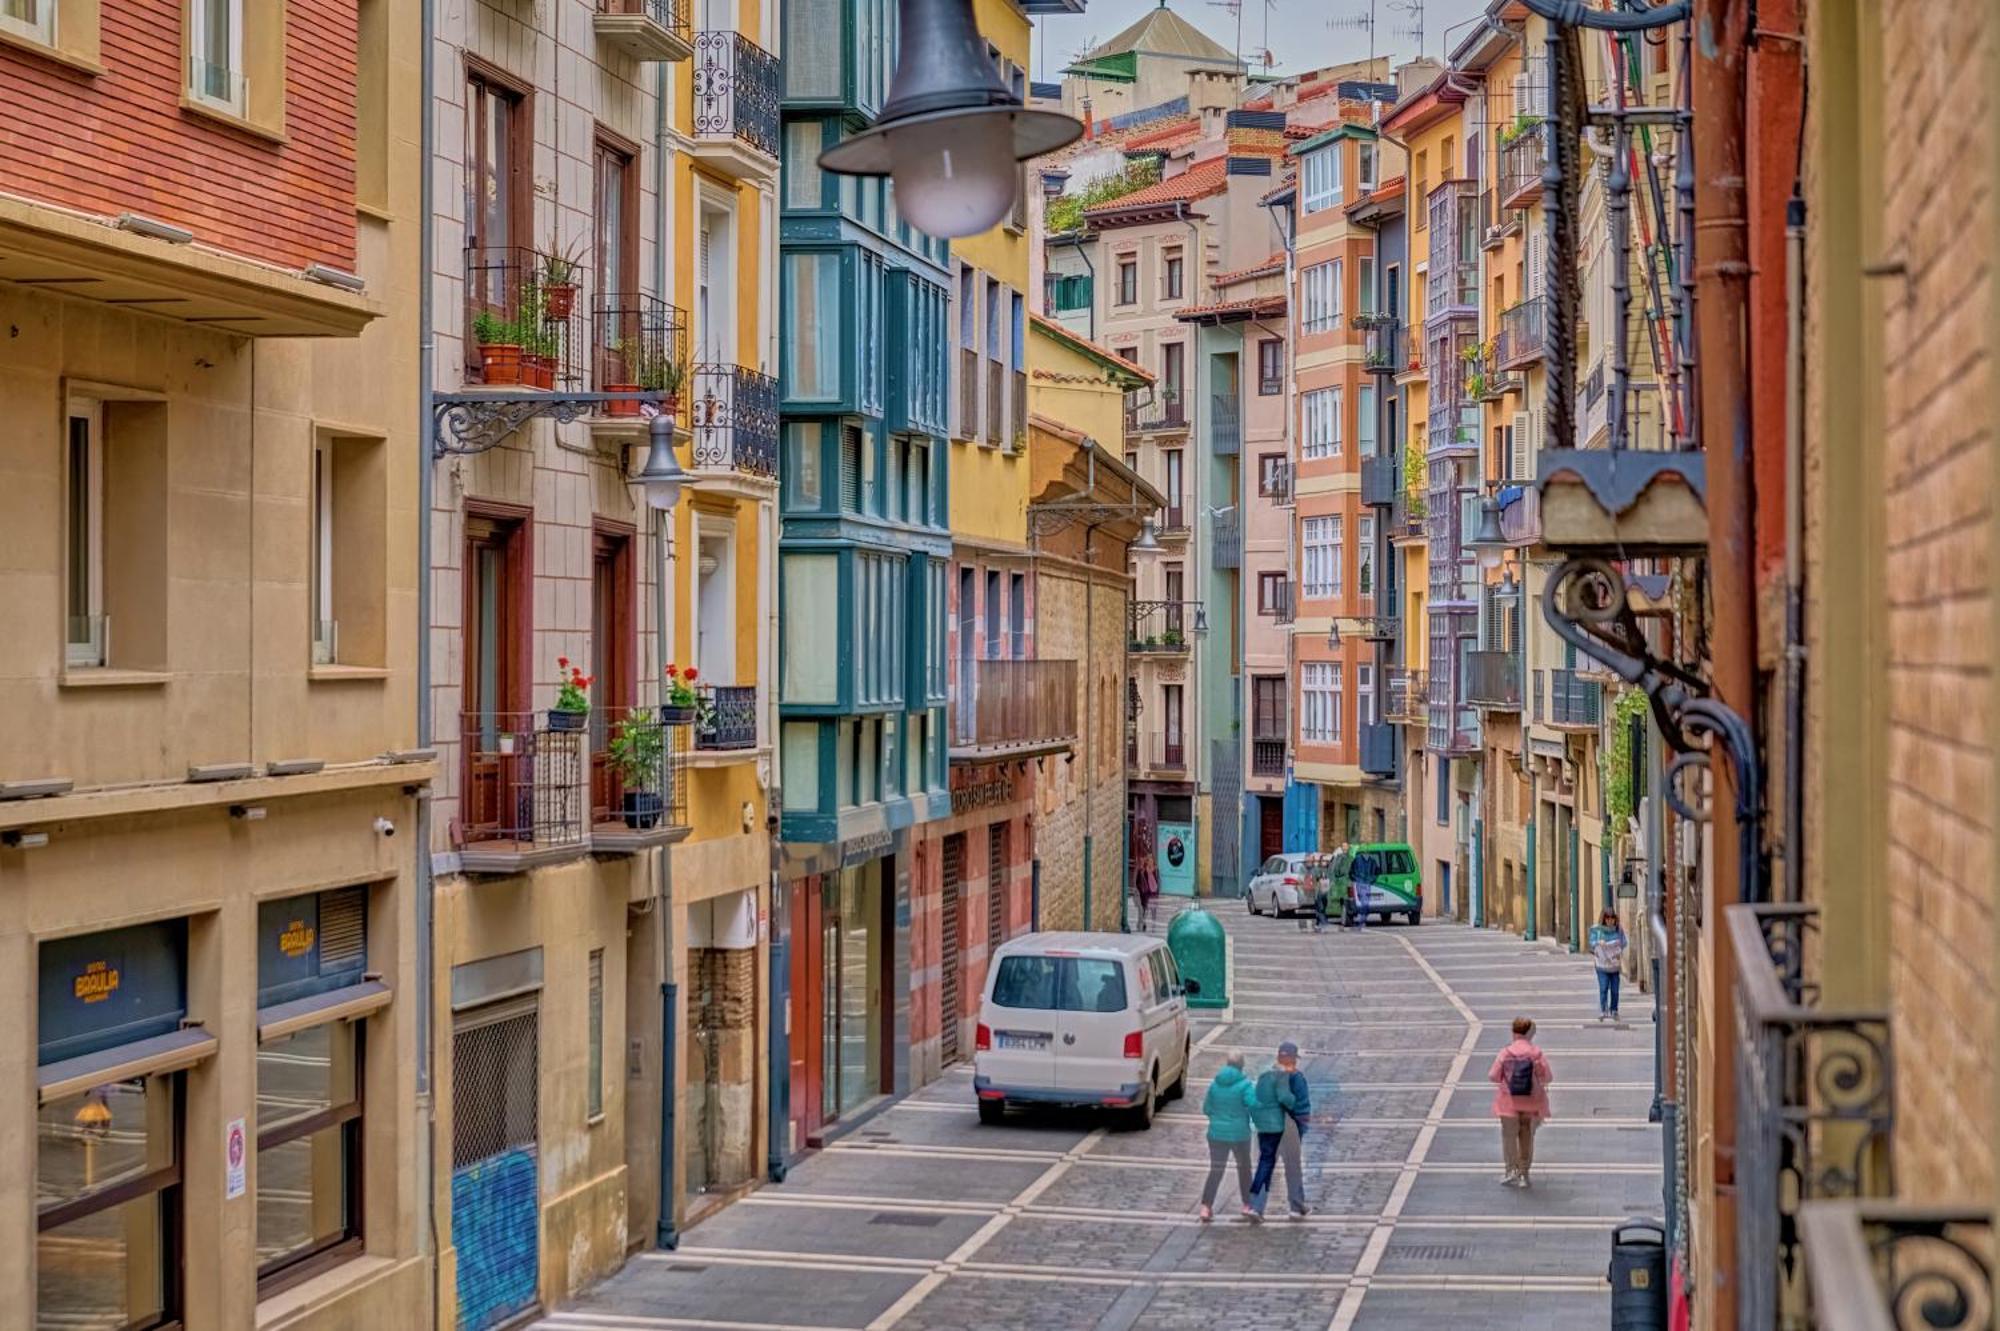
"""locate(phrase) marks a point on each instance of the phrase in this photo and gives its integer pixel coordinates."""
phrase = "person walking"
(1360, 887)
(1146, 885)
(1520, 1075)
(1283, 1110)
(1607, 952)
(1227, 1105)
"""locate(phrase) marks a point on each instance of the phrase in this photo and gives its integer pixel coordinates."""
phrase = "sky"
(1305, 34)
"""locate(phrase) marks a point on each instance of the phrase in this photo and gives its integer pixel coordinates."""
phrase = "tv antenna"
(1412, 25)
(1235, 7)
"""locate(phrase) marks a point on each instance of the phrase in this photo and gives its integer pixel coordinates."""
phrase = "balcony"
(1451, 727)
(639, 343)
(1228, 539)
(1174, 519)
(1163, 627)
(1012, 709)
(1523, 335)
(1815, 1100)
(1225, 424)
(735, 105)
(1493, 680)
(1276, 483)
(1455, 433)
(646, 30)
(1167, 410)
(1281, 603)
(1405, 700)
(1574, 703)
(638, 782)
(1521, 159)
(1267, 756)
(524, 327)
(1876, 1265)
(1383, 348)
(1165, 752)
(733, 416)
(727, 720)
(1381, 745)
(523, 800)
(1382, 478)
(1412, 364)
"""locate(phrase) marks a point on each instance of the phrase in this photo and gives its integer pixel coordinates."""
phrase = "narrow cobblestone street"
(924, 1219)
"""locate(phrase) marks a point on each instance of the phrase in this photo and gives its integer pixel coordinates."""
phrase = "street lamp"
(1148, 542)
(1201, 621)
(951, 134)
(1333, 635)
(1489, 544)
(662, 475)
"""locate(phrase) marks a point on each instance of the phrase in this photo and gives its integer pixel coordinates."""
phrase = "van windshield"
(1397, 861)
(1067, 984)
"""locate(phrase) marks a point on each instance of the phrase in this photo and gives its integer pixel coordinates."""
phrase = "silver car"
(1279, 887)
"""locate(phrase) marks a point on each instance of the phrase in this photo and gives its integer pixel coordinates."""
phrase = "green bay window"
(812, 349)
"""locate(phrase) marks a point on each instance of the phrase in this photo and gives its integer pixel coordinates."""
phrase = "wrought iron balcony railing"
(1168, 752)
(1012, 707)
(1380, 747)
(646, 29)
(1283, 601)
(639, 342)
(1383, 350)
(733, 416)
(1225, 424)
(1493, 680)
(735, 90)
(1574, 702)
(1521, 161)
(1174, 517)
(524, 792)
(1523, 335)
(1897, 1266)
(1815, 1101)
(728, 717)
(1405, 697)
(1275, 484)
(1228, 539)
(638, 783)
(525, 326)
(1167, 410)
(1267, 755)
(1413, 353)
(1162, 626)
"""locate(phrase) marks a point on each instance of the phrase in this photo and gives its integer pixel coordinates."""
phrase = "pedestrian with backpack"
(1607, 953)
(1282, 1111)
(1521, 1077)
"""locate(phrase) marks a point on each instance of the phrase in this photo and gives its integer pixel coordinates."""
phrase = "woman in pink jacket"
(1520, 1074)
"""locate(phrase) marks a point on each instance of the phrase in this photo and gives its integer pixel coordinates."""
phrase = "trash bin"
(1639, 1276)
(1201, 950)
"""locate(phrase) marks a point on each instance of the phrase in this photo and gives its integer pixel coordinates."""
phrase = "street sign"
(235, 1154)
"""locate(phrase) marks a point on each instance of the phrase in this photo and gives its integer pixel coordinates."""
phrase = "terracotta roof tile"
(1062, 331)
(1157, 135)
(1197, 182)
(1274, 264)
(1251, 305)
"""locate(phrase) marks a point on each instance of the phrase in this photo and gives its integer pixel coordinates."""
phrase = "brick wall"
(1060, 797)
(119, 141)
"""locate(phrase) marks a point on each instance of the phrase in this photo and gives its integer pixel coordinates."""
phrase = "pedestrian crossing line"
(1377, 1247)
(1308, 1051)
(1342, 1087)
(583, 1321)
(1372, 1166)
(790, 1260)
(858, 1202)
(1005, 1154)
(1039, 1211)
(980, 1237)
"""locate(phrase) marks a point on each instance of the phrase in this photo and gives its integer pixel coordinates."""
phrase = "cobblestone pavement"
(921, 1218)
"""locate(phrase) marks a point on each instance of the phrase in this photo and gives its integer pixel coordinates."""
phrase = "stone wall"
(1098, 771)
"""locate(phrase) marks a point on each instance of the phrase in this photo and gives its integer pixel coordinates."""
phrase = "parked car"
(1397, 884)
(1082, 1019)
(1280, 888)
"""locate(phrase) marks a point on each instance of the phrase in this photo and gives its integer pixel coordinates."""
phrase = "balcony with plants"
(1164, 628)
(523, 802)
(640, 346)
(1523, 153)
(645, 30)
(736, 91)
(1013, 708)
(1155, 409)
(526, 327)
(1523, 335)
(638, 781)
(732, 414)
(725, 718)
(1404, 698)
(1384, 347)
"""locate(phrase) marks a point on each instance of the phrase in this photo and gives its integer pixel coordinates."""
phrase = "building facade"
(212, 781)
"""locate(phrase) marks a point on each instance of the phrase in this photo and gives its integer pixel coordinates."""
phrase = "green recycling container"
(1201, 950)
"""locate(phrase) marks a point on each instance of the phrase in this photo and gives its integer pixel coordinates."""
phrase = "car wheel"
(1250, 900)
(1140, 1116)
(992, 1112)
(1179, 1088)
(1416, 917)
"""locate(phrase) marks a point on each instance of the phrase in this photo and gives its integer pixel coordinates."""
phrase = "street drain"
(906, 1218)
(1431, 1252)
(676, 1269)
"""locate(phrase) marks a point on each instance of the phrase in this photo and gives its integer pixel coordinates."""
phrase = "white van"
(1081, 1019)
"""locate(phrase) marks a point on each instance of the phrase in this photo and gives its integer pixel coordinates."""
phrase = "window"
(1267, 706)
(594, 1018)
(1060, 984)
(86, 644)
(613, 644)
(1364, 536)
(1173, 275)
(1128, 281)
(1319, 178)
(1319, 712)
(1170, 711)
(115, 558)
(1271, 594)
(1364, 155)
(1270, 366)
(1319, 555)
(308, 1148)
(1172, 459)
(1364, 287)
(1173, 371)
(349, 519)
(1271, 478)
(1364, 419)
(992, 642)
(1321, 410)
(324, 627)
(215, 53)
(1364, 693)
(812, 336)
(34, 19)
(617, 235)
(1443, 790)
(1173, 581)
(1017, 613)
(1320, 297)
(499, 189)
(496, 674)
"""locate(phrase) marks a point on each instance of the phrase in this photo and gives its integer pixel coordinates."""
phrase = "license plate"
(1020, 1040)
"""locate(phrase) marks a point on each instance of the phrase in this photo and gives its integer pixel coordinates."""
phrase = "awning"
(343, 1004)
(124, 1062)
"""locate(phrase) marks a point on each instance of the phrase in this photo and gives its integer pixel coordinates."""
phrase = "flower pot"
(561, 720)
(538, 371)
(499, 363)
(558, 299)
(643, 809)
(621, 408)
(672, 714)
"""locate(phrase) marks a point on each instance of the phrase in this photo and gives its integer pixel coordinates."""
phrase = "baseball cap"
(1286, 1049)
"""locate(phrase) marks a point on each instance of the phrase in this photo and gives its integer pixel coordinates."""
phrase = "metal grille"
(1224, 832)
(495, 1086)
(996, 888)
(728, 717)
(525, 779)
(734, 419)
(1431, 1252)
(954, 876)
(343, 928)
(850, 468)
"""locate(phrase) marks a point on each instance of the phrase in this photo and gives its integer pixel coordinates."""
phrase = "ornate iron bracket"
(1638, 16)
(1048, 519)
(467, 423)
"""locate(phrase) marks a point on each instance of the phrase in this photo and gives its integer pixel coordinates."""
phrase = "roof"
(1160, 31)
(1096, 351)
(1228, 311)
(1431, 103)
(1098, 944)
(1163, 136)
(1263, 268)
(1320, 138)
(1197, 182)
(1273, 196)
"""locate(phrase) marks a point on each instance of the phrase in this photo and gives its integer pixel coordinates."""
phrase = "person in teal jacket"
(1228, 1104)
(1284, 1108)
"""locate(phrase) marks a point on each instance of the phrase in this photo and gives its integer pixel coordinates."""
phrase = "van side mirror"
(1190, 986)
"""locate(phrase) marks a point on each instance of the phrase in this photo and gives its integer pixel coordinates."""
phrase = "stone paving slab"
(1554, 1195)
(858, 1232)
(1551, 1251)
(1488, 1310)
(868, 1174)
(977, 1303)
(692, 1289)
(1051, 1131)
(1557, 1142)
(1566, 1101)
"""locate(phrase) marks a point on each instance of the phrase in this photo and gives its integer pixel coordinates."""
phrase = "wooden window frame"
(510, 529)
(607, 149)
(281, 1273)
(614, 663)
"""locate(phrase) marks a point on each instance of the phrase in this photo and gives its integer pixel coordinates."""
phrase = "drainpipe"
(1795, 503)
(1079, 240)
(1089, 711)
(421, 834)
(1534, 822)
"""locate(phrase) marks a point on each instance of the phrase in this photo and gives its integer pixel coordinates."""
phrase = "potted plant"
(499, 349)
(658, 371)
(1475, 384)
(558, 281)
(540, 341)
(572, 697)
(637, 745)
(628, 355)
(683, 704)
(1172, 640)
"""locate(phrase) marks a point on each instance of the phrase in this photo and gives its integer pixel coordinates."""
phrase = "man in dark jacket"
(1281, 1115)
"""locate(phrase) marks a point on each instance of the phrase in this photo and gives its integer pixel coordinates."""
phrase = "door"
(1270, 827)
(1097, 1000)
(948, 947)
(498, 728)
(495, 1164)
(807, 1000)
(996, 886)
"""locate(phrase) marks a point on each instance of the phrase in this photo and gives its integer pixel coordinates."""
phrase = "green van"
(1397, 884)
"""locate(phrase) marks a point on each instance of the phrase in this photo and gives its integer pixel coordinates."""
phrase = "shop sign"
(98, 982)
(297, 939)
(868, 846)
(309, 944)
(235, 1156)
(980, 787)
(104, 989)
